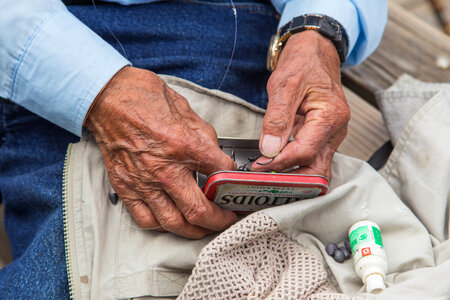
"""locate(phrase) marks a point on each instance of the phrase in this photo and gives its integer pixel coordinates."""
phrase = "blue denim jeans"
(189, 39)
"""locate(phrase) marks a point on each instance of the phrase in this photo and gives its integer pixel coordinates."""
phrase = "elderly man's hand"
(152, 141)
(305, 100)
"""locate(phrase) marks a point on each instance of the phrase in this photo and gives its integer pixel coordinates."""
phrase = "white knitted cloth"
(253, 260)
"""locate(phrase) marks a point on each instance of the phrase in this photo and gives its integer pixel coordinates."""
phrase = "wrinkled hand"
(152, 141)
(305, 100)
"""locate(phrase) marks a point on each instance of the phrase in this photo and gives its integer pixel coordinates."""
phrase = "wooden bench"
(409, 45)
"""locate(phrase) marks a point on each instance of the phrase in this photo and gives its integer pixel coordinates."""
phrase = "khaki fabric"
(414, 218)
(110, 257)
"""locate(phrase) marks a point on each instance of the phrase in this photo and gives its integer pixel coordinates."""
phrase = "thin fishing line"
(110, 31)
(234, 43)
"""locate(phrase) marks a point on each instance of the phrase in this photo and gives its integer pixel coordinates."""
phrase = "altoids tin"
(244, 191)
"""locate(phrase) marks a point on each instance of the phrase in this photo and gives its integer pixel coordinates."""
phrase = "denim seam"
(28, 45)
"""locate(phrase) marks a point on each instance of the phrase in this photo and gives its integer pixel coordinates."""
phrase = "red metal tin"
(246, 192)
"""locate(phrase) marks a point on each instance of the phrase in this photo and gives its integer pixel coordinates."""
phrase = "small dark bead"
(346, 253)
(347, 245)
(339, 256)
(113, 197)
(330, 248)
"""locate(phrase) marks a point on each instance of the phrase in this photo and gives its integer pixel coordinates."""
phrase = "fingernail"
(270, 145)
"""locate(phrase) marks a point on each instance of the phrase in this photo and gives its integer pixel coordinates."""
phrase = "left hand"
(306, 101)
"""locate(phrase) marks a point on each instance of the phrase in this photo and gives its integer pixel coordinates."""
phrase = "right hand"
(152, 141)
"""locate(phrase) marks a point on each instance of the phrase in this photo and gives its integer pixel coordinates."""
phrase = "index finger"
(209, 158)
(194, 205)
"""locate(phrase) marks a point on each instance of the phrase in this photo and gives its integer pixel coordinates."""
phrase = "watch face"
(272, 53)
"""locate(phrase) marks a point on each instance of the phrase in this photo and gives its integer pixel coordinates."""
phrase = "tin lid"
(217, 179)
(264, 176)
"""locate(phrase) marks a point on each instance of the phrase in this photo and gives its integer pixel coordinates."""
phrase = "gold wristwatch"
(324, 25)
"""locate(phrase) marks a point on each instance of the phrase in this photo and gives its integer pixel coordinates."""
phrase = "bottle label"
(365, 235)
(377, 236)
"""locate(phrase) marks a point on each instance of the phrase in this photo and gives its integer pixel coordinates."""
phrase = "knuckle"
(210, 130)
(151, 78)
(168, 181)
(281, 78)
(209, 153)
(343, 113)
(171, 222)
(275, 124)
(208, 157)
(177, 144)
(145, 223)
(196, 214)
(200, 149)
(327, 116)
(208, 150)
(335, 117)
(196, 146)
(159, 172)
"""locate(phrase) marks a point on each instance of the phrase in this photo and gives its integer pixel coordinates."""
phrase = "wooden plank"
(366, 130)
(426, 12)
(408, 4)
(409, 45)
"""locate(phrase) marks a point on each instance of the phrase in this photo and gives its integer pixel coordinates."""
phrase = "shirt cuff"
(343, 11)
(62, 69)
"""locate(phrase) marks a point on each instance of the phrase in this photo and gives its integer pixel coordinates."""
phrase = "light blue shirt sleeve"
(51, 63)
(363, 20)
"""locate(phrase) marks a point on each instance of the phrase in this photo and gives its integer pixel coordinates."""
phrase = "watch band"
(323, 24)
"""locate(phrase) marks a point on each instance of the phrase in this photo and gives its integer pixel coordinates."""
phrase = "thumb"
(277, 125)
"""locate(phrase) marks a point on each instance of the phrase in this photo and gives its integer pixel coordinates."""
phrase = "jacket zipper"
(65, 221)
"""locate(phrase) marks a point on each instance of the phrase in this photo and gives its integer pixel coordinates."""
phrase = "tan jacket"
(109, 257)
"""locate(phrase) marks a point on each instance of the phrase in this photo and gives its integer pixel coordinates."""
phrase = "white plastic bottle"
(369, 256)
